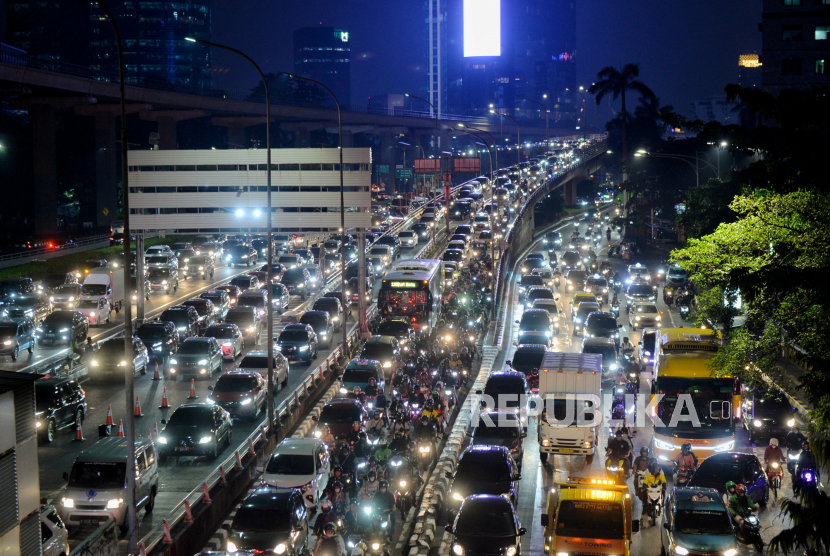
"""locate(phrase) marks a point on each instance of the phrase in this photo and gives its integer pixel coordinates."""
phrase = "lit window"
(820, 67)
(792, 2)
(821, 30)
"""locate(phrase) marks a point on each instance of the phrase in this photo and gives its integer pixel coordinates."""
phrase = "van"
(357, 374)
(96, 486)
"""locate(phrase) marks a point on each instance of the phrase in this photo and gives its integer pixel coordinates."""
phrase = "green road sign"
(403, 173)
(383, 169)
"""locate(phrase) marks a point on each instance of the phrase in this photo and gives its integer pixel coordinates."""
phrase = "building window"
(821, 31)
(820, 67)
(791, 66)
(792, 33)
(792, 2)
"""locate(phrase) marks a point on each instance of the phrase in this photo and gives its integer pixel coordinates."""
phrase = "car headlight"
(730, 552)
(280, 548)
(510, 551)
(67, 503)
(725, 447)
(757, 423)
(636, 318)
(791, 423)
(203, 362)
(164, 282)
(231, 547)
(9, 342)
(457, 496)
(613, 366)
(205, 439)
(457, 550)
(658, 317)
(661, 445)
(114, 503)
(246, 401)
(303, 348)
(680, 550)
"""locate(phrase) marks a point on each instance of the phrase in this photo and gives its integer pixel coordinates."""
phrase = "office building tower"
(324, 54)
(795, 44)
(436, 48)
(50, 31)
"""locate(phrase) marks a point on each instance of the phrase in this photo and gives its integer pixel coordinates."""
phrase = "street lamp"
(269, 230)
(437, 156)
(423, 153)
(495, 147)
(545, 108)
(584, 108)
(518, 135)
(685, 158)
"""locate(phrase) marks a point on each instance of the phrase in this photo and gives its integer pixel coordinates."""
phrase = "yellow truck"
(588, 516)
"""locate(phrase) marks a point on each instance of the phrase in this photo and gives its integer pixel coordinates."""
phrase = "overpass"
(44, 88)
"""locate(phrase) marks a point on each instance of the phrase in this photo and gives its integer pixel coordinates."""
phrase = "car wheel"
(765, 500)
(31, 347)
(15, 353)
(144, 369)
(151, 501)
(215, 453)
(51, 431)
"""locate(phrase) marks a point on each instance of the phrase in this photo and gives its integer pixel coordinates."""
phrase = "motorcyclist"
(335, 477)
(359, 395)
(425, 430)
(627, 346)
(339, 498)
(326, 516)
(731, 490)
(619, 449)
(370, 486)
(686, 459)
(806, 460)
(371, 390)
(326, 435)
(385, 502)
(655, 477)
(773, 453)
(739, 504)
(354, 433)
(330, 543)
(375, 425)
(399, 445)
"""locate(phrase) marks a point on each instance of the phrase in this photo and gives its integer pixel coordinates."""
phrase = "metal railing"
(61, 249)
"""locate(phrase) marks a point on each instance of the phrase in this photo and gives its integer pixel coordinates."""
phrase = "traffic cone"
(156, 375)
(138, 408)
(120, 428)
(164, 403)
(109, 415)
(192, 395)
(79, 432)
(149, 434)
(155, 431)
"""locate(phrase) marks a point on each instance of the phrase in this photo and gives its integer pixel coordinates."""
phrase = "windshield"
(532, 280)
(291, 464)
(99, 476)
(7, 288)
(709, 398)
(489, 470)
(251, 301)
(177, 317)
(702, 522)
(509, 429)
(376, 351)
(24, 301)
(539, 293)
(640, 289)
(313, 320)
(322, 305)
(340, 414)
(294, 336)
(241, 319)
(201, 308)
(486, 522)
(535, 319)
(393, 328)
(262, 519)
(94, 289)
(215, 298)
(528, 358)
(194, 348)
(292, 260)
(241, 283)
(771, 405)
(609, 354)
(577, 518)
(293, 275)
(603, 322)
(60, 317)
(721, 472)
(88, 304)
(504, 385)
(159, 273)
(150, 332)
(158, 259)
(191, 417)
(71, 289)
(359, 375)
(233, 384)
(219, 332)
(646, 308)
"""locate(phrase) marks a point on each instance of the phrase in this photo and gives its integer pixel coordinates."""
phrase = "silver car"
(66, 297)
(644, 315)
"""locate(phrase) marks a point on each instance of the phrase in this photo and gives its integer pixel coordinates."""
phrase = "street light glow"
(190, 39)
(240, 212)
(257, 213)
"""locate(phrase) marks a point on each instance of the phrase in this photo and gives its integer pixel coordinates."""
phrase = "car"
(66, 297)
(212, 249)
(528, 281)
(63, 326)
(696, 519)
(199, 266)
(205, 310)
(185, 318)
(306, 255)
(54, 538)
(161, 340)
(298, 342)
(581, 297)
(59, 404)
(345, 301)
(409, 238)
(302, 463)
(232, 291)
(638, 272)
(163, 279)
(54, 281)
(298, 281)
(183, 256)
(598, 286)
(423, 230)
(508, 391)
(606, 348)
(501, 428)
(261, 247)
(602, 325)
(357, 374)
(581, 315)
(454, 255)
(677, 275)
(151, 261)
(97, 311)
(331, 246)
(230, 339)
(109, 359)
(553, 239)
(257, 361)
(340, 414)
(320, 321)
(158, 250)
(766, 412)
(383, 349)
(270, 520)
(248, 321)
(240, 393)
(484, 469)
(257, 299)
(245, 282)
(743, 469)
(535, 338)
(400, 328)
(12, 287)
(290, 260)
(332, 306)
(528, 357)
(315, 275)
(239, 255)
(486, 525)
(639, 292)
(181, 245)
(644, 314)
(382, 252)
(221, 302)
(535, 293)
(33, 306)
(570, 260)
(197, 429)
(575, 280)
(552, 307)
(280, 298)
(647, 346)
(535, 319)
(353, 289)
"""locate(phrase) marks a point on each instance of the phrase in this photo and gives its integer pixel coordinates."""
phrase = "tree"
(614, 82)
(285, 90)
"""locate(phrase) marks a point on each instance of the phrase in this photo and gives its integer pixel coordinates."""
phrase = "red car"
(233, 292)
(240, 393)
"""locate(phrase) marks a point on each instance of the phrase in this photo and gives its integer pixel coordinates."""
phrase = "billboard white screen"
(482, 28)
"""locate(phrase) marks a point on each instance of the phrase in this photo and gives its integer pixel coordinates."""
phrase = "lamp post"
(545, 108)
(269, 227)
(129, 371)
(495, 146)
(438, 157)
(518, 135)
(685, 158)
(584, 108)
(423, 153)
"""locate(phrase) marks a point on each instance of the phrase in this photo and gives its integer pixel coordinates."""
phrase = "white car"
(54, 538)
(302, 463)
(408, 238)
(644, 315)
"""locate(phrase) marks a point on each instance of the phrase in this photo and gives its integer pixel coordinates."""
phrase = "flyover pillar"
(569, 192)
(167, 121)
(347, 141)
(45, 174)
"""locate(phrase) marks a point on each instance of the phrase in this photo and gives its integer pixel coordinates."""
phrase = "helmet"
(337, 469)
(358, 550)
(356, 424)
(773, 442)
(643, 451)
(356, 390)
(362, 435)
(330, 528)
(325, 506)
(805, 445)
(618, 434)
(730, 486)
(625, 340)
(741, 489)
(686, 447)
(429, 404)
(382, 485)
(654, 467)
(378, 413)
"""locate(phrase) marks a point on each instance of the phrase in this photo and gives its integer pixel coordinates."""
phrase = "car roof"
(698, 498)
(197, 340)
(378, 339)
(726, 457)
(599, 342)
(111, 449)
(507, 374)
(486, 451)
(298, 445)
(269, 497)
(531, 347)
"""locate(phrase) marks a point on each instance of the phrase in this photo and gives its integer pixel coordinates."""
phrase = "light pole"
(269, 271)
(584, 108)
(438, 157)
(129, 371)
(495, 147)
(545, 108)
(685, 158)
(518, 136)
(423, 152)
(361, 267)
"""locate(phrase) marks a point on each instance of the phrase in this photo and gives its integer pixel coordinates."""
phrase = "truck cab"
(588, 516)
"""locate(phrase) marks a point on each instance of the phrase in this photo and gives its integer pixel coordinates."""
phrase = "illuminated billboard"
(482, 28)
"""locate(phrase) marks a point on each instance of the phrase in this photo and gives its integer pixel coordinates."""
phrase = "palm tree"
(616, 83)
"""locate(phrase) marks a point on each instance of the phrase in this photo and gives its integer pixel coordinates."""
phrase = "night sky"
(687, 49)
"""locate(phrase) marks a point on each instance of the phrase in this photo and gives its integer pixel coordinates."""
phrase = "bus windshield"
(704, 407)
(594, 519)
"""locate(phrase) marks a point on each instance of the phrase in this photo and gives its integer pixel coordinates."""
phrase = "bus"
(117, 227)
(681, 367)
(413, 289)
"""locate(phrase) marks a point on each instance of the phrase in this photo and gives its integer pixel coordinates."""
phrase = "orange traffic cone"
(164, 403)
(138, 408)
(155, 431)
(156, 372)
(109, 416)
(120, 428)
(79, 432)
(192, 395)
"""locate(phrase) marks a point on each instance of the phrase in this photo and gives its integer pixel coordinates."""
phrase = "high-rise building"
(324, 54)
(152, 33)
(749, 71)
(796, 44)
(436, 48)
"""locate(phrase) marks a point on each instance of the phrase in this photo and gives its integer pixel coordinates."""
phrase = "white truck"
(105, 282)
(569, 394)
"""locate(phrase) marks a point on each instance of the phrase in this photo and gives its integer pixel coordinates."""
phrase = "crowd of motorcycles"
(378, 467)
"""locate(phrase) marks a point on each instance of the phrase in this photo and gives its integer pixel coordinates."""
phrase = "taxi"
(582, 297)
(638, 272)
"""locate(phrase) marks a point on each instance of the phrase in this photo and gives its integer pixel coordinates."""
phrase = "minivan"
(96, 485)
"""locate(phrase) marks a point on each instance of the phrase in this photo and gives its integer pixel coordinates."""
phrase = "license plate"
(89, 521)
(566, 451)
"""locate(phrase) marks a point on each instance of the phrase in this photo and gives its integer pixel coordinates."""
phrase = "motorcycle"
(806, 478)
(682, 476)
(405, 480)
(615, 309)
(615, 469)
(425, 453)
(639, 477)
(684, 312)
(653, 507)
(775, 475)
(750, 533)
